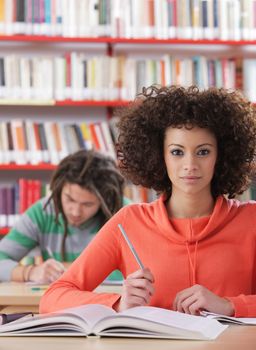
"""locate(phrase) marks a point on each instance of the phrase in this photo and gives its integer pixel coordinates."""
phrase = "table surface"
(19, 295)
(233, 338)
(15, 297)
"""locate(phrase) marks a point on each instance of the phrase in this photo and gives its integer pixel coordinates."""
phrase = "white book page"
(159, 321)
(91, 313)
(80, 318)
(166, 317)
(223, 318)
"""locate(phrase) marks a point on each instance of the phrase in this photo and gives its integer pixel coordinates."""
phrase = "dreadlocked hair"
(94, 172)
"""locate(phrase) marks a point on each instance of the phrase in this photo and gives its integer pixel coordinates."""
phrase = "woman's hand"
(196, 298)
(137, 290)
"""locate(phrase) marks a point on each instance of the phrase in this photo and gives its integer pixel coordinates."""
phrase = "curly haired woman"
(198, 245)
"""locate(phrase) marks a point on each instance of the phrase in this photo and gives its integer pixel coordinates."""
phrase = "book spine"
(23, 188)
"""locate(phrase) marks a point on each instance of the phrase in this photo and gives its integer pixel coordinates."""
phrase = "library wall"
(65, 65)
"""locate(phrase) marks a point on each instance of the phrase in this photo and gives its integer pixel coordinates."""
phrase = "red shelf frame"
(110, 40)
(41, 166)
(92, 103)
(66, 103)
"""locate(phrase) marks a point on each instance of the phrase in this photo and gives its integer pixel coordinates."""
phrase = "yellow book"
(2, 18)
(86, 135)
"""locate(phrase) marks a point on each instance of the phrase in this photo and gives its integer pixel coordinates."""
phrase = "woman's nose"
(190, 163)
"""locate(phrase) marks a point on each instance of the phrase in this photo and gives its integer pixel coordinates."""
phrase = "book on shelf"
(17, 198)
(49, 141)
(137, 322)
(162, 19)
(102, 78)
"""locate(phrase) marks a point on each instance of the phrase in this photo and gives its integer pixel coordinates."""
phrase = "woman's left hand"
(197, 298)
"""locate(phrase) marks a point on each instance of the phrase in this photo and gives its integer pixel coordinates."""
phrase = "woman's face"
(79, 204)
(190, 157)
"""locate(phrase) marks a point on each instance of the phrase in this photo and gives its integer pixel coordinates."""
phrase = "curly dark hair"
(227, 114)
(94, 172)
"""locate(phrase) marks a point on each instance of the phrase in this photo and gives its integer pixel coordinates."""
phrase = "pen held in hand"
(49, 252)
(51, 256)
(130, 246)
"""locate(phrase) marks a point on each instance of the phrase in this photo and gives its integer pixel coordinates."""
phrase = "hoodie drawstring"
(192, 263)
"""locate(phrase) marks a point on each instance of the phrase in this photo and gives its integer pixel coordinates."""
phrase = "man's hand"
(196, 298)
(137, 290)
(46, 272)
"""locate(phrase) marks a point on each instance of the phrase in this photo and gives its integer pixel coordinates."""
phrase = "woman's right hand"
(46, 272)
(137, 290)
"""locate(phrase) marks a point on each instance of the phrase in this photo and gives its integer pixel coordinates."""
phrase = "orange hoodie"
(217, 252)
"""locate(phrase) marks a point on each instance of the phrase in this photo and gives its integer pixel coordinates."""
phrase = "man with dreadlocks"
(86, 190)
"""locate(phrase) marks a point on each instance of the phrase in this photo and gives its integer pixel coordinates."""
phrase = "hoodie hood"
(192, 230)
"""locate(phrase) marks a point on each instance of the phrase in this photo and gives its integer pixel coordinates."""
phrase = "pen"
(51, 256)
(38, 288)
(130, 246)
(49, 252)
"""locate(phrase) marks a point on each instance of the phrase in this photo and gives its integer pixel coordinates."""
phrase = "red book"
(23, 195)
(162, 67)
(94, 137)
(239, 72)
(68, 70)
(36, 190)
(37, 137)
(30, 191)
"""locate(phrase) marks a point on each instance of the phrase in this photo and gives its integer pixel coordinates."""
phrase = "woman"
(198, 247)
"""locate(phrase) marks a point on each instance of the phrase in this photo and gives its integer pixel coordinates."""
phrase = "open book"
(145, 322)
(230, 319)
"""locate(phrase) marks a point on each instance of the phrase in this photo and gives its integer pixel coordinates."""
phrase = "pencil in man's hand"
(51, 256)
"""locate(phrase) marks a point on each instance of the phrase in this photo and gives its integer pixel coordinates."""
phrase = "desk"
(234, 338)
(17, 297)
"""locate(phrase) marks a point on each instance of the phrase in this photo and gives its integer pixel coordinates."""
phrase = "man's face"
(79, 204)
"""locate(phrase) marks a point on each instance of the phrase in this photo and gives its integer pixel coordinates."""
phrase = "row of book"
(195, 19)
(77, 77)
(29, 142)
(15, 199)
(71, 76)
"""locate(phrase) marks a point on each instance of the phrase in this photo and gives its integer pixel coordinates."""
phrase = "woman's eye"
(203, 152)
(177, 152)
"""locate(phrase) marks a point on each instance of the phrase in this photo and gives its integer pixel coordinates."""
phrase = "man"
(87, 190)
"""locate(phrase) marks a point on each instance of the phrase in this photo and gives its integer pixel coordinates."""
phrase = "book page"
(166, 317)
(159, 323)
(81, 319)
(229, 319)
(91, 314)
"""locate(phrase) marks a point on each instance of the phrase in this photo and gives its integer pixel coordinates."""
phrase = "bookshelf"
(112, 41)
(69, 103)
(160, 50)
(31, 167)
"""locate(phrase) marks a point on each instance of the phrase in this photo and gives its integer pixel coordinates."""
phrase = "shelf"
(4, 230)
(66, 103)
(110, 40)
(37, 167)
(92, 103)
